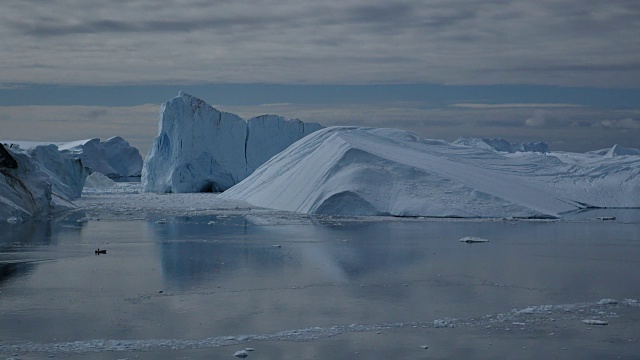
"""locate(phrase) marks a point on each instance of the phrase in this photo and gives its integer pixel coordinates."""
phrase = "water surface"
(206, 277)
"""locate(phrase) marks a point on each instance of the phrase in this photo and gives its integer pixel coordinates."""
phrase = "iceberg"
(201, 149)
(366, 171)
(27, 189)
(504, 145)
(114, 157)
(99, 181)
(617, 150)
(67, 174)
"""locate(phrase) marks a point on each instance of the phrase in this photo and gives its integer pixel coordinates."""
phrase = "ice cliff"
(364, 171)
(201, 149)
(37, 183)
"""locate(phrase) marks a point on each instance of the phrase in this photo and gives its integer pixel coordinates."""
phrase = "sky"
(561, 71)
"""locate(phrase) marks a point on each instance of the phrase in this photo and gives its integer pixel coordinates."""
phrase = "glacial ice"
(365, 171)
(114, 157)
(30, 189)
(201, 149)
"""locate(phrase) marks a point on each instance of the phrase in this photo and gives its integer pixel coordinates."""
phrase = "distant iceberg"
(201, 149)
(114, 157)
(503, 145)
(617, 150)
(365, 171)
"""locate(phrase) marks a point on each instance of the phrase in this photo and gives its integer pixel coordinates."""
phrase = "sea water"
(175, 284)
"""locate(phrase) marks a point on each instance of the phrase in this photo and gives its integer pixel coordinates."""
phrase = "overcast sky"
(563, 71)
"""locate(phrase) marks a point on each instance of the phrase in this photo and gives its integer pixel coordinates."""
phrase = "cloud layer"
(552, 42)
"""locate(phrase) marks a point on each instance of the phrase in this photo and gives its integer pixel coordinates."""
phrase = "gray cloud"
(552, 42)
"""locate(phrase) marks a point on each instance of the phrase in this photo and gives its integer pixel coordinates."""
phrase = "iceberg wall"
(114, 157)
(364, 171)
(201, 149)
(26, 189)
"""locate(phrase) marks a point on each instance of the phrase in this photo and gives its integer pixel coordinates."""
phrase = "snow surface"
(201, 149)
(28, 189)
(365, 171)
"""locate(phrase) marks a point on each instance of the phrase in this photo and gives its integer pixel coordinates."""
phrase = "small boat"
(98, 252)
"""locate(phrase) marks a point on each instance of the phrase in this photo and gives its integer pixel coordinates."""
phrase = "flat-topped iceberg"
(201, 149)
(365, 171)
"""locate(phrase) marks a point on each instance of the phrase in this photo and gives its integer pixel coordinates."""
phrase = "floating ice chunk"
(607, 302)
(241, 354)
(13, 220)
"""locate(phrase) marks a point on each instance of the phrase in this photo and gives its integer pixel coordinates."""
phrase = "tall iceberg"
(201, 149)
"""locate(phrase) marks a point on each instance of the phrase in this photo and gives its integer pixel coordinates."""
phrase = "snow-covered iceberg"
(27, 188)
(364, 171)
(504, 145)
(200, 149)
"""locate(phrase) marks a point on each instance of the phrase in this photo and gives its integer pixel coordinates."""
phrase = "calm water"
(209, 277)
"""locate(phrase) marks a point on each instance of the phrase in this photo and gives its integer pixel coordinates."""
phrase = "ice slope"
(503, 145)
(200, 149)
(364, 171)
(26, 189)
